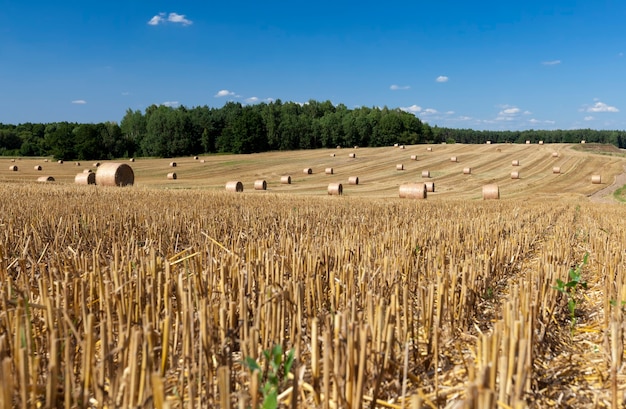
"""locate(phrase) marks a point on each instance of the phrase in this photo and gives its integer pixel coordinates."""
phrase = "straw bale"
(77, 163)
(514, 175)
(555, 154)
(335, 189)
(401, 146)
(540, 142)
(12, 160)
(583, 141)
(307, 171)
(467, 171)
(13, 168)
(87, 171)
(425, 173)
(399, 166)
(556, 169)
(413, 157)
(356, 147)
(491, 192)
(60, 162)
(115, 174)
(527, 142)
(332, 155)
(413, 191)
(285, 180)
(328, 171)
(202, 160)
(353, 180)
(132, 159)
(234, 186)
(96, 164)
(196, 158)
(172, 176)
(515, 163)
(454, 159)
(352, 155)
(338, 147)
(172, 164)
(596, 179)
(488, 142)
(45, 160)
(430, 186)
(37, 167)
(85, 179)
(429, 149)
(260, 185)
(395, 145)
(45, 179)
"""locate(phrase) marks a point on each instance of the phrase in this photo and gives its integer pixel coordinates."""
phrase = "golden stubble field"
(171, 293)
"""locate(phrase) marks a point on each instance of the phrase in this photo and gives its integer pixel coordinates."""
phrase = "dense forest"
(163, 131)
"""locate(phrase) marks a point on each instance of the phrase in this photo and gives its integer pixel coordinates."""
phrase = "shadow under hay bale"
(413, 191)
(115, 174)
(85, 178)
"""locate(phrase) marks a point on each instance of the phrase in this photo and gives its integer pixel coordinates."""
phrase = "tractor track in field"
(605, 195)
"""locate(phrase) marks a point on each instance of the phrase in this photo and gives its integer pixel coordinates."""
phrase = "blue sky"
(499, 65)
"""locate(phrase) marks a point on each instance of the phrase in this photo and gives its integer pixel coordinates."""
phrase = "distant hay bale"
(37, 167)
(555, 154)
(45, 179)
(401, 146)
(96, 164)
(356, 147)
(328, 171)
(12, 160)
(413, 191)
(399, 166)
(491, 192)
(429, 149)
(234, 186)
(307, 171)
(131, 159)
(540, 142)
(172, 164)
(285, 180)
(353, 180)
(515, 163)
(172, 176)
(527, 142)
(60, 162)
(115, 174)
(85, 179)
(467, 171)
(395, 145)
(454, 159)
(260, 185)
(45, 160)
(583, 141)
(596, 179)
(87, 171)
(332, 155)
(425, 174)
(196, 158)
(430, 186)
(556, 169)
(488, 142)
(13, 168)
(77, 163)
(413, 157)
(514, 175)
(202, 161)
(352, 155)
(335, 189)
(338, 147)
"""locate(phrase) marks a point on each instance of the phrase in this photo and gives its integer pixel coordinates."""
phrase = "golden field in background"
(163, 293)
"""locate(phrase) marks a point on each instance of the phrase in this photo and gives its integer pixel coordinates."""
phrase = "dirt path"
(605, 195)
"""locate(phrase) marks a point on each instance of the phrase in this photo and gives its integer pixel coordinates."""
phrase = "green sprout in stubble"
(570, 288)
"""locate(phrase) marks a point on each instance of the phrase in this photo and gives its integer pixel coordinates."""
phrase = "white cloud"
(79, 102)
(430, 111)
(465, 118)
(176, 18)
(442, 78)
(589, 118)
(224, 93)
(170, 103)
(553, 62)
(395, 87)
(509, 111)
(252, 100)
(413, 108)
(601, 107)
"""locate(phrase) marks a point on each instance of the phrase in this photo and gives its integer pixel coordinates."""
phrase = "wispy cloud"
(170, 103)
(442, 78)
(601, 107)
(395, 87)
(125, 93)
(163, 18)
(429, 111)
(589, 118)
(553, 62)
(413, 108)
(224, 93)
(79, 102)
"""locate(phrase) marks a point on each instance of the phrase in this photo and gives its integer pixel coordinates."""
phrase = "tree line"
(162, 131)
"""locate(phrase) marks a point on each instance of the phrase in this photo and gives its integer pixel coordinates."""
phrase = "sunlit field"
(179, 294)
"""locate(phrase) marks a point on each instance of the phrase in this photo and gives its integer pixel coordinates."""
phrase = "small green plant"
(274, 375)
(570, 288)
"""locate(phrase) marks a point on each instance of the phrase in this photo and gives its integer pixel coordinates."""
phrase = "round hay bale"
(332, 155)
(596, 179)
(335, 189)
(328, 171)
(195, 157)
(85, 179)
(555, 154)
(115, 174)
(234, 186)
(131, 159)
(425, 174)
(172, 176)
(353, 180)
(12, 160)
(467, 171)
(540, 142)
(285, 180)
(583, 141)
(172, 164)
(413, 157)
(338, 147)
(430, 186)
(514, 175)
(491, 192)
(87, 171)
(37, 167)
(399, 166)
(352, 155)
(413, 191)
(527, 142)
(556, 169)
(454, 159)
(429, 149)
(202, 160)
(395, 145)
(96, 164)
(45, 160)
(488, 142)
(77, 163)
(307, 171)
(401, 146)
(13, 168)
(356, 147)
(515, 163)
(45, 179)
(260, 185)
(60, 162)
